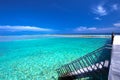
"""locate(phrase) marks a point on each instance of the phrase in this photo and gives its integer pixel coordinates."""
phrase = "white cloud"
(115, 6)
(105, 9)
(82, 28)
(96, 30)
(98, 18)
(116, 24)
(23, 28)
(100, 10)
(92, 28)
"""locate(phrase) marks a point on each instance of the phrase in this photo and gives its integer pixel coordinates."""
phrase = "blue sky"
(21, 17)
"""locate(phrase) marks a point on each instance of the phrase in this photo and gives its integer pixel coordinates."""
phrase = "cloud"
(96, 30)
(116, 24)
(100, 10)
(23, 28)
(97, 18)
(82, 28)
(92, 28)
(115, 6)
(104, 9)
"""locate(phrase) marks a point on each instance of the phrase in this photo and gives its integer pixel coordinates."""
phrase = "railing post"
(112, 37)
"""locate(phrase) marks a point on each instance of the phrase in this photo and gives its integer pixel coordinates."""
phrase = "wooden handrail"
(82, 63)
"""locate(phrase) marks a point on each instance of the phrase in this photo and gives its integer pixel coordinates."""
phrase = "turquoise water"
(37, 59)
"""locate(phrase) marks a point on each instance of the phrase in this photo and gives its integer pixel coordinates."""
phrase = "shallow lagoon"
(37, 59)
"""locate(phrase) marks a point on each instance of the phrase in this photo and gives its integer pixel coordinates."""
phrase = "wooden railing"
(87, 66)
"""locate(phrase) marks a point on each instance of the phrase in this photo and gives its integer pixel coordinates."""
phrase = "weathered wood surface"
(114, 72)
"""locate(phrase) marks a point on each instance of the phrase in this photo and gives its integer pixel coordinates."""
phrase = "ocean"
(38, 58)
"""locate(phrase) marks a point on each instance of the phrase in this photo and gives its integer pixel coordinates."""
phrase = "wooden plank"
(114, 72)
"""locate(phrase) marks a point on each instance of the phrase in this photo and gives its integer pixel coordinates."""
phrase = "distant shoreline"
(61, 35)
(23, 37)
(82, 36)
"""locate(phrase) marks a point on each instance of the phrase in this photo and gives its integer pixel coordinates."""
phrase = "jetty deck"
(114, 72)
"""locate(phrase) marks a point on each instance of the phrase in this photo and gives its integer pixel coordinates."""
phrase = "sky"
(24, 17)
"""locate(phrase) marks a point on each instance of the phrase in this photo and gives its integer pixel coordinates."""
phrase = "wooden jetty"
(114, 72)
